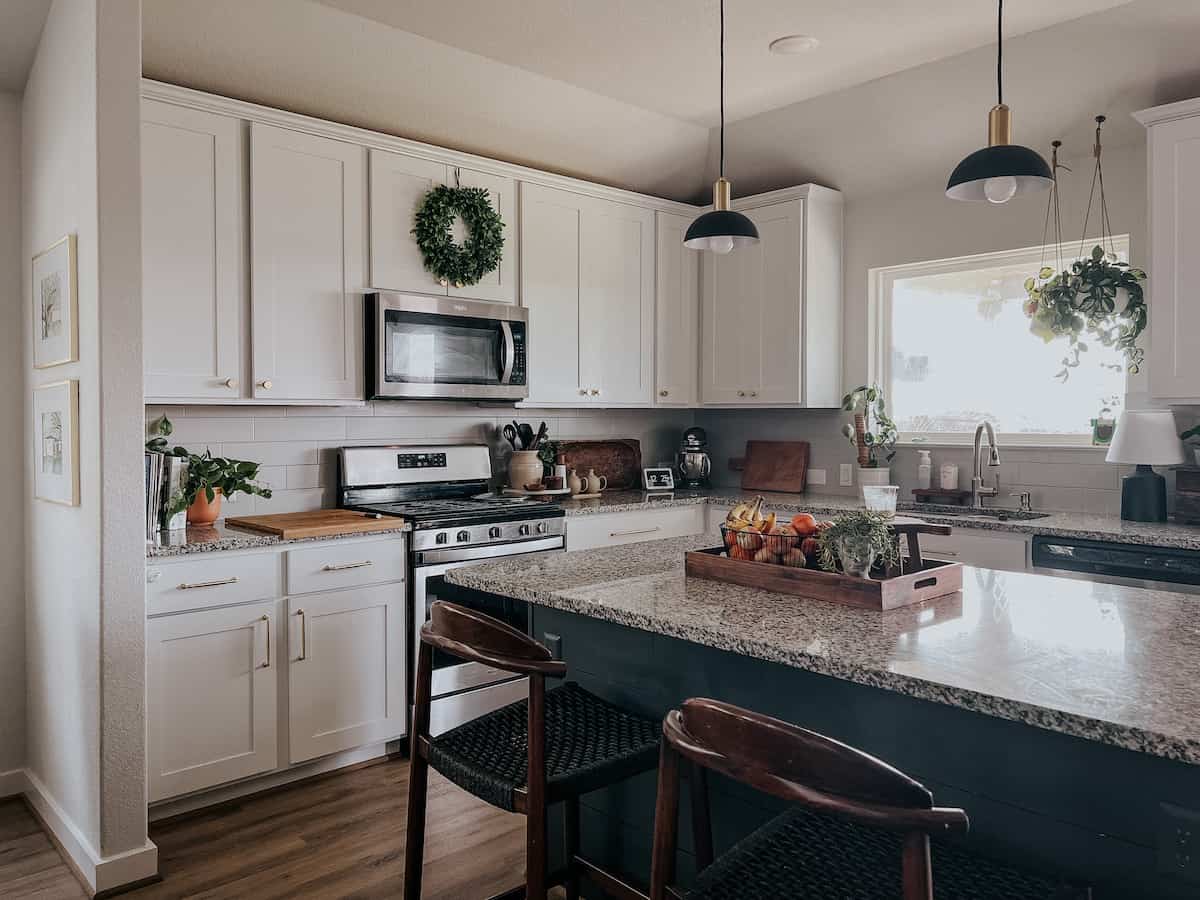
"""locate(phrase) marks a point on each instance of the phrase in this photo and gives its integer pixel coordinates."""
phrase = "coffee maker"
(692, 461)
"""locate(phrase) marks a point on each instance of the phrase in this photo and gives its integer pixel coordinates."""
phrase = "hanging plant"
(1099, 295)
(465, 263)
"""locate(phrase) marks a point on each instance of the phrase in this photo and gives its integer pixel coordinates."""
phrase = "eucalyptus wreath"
(465, 263)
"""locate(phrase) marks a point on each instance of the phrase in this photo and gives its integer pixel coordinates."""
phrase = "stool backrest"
(473, 636)
(805, 768)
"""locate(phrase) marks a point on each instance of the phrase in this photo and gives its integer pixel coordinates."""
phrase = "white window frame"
(880, 281)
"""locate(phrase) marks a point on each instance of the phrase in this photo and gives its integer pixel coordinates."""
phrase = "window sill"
(1005, 442)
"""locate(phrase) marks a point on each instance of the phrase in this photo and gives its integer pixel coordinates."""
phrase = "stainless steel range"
(444, 492)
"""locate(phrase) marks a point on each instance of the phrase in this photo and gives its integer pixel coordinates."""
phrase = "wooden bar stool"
(858, 827)
(559, 744)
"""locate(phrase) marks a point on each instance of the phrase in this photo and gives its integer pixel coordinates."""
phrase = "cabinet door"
(193, 253)
(778, 265)
(550, 231)
(499, 286)
(732, 293)
(398, 185)
(211, 697)
(616, 302)
(346, 669)
(677, 308)
(1174, 155)
(307, 202)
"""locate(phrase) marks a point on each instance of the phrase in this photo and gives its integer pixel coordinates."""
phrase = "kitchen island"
(1061, 714)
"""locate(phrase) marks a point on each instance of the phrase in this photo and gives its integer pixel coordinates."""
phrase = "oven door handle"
(427, 558)
(509, 354)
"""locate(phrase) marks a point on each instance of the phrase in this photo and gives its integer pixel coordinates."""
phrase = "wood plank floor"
(337, 836)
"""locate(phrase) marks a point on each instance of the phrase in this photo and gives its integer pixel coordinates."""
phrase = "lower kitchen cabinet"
(987, 550)
(614, 529)
(346, 670)
(211, 695)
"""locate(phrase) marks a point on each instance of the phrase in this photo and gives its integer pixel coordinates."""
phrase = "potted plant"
(209, 478)
(873, 433)
(856, 542)
(1193, 432)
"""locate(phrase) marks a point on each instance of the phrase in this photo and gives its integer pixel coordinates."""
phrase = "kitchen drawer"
(214, 579)
(344, 564)
(986, 550)
(585, 532)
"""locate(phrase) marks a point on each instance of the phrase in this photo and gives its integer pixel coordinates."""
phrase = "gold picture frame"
(56, 442)
(55, 316)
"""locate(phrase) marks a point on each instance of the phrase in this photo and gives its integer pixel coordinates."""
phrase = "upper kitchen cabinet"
(307, 249)
(1173, 157)
(587, 278)
(677, 311)
(398, 185)
(771, 323)
(193, 253)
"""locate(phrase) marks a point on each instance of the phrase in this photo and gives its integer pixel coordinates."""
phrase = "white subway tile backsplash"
(300, 477)
(418, 429)
(300, 429)
(276, 453)
(273, 477)
(291, 501)
(233, 412)
(195, 434)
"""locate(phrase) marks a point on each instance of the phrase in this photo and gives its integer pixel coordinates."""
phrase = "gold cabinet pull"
(230, 383)
(303, 636)
(330, 567)
(220, 582)
(266, 384)
(635, 531)
(267, 620)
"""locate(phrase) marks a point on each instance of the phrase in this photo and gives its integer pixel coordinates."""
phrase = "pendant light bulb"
(721, 245)
(1000, 188)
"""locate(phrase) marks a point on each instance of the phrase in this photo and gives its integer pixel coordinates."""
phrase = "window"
(952, 347)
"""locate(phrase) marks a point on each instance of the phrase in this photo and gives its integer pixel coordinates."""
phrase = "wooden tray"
(933, 579)
(618, 460)
(316, 523)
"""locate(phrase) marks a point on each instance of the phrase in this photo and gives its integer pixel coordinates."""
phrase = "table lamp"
(1145, 438)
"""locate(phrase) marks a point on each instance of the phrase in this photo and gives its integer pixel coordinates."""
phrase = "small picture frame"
(55, 305)
(56, 442)
(658, 478)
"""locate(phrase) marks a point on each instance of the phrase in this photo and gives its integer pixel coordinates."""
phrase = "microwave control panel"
(518, 369)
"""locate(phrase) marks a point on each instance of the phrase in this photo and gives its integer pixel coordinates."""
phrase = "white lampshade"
(1146, 437)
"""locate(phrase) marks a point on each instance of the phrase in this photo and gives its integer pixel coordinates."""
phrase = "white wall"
(84, 593)
(13, 323)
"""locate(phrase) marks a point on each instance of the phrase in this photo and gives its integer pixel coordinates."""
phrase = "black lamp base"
(1144, 496)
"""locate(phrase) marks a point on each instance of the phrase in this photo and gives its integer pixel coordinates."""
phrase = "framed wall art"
(55, 305)
(56, 447)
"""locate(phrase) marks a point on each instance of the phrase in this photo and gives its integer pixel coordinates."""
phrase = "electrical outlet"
(847, 475)
(1179, 842)
(816, 476)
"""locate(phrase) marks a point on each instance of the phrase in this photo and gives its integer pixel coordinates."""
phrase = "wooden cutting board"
(316, 523)
(775, 466)
(619, 460)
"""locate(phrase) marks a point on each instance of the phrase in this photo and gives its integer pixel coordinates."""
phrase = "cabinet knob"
(583, 392)
(663, 393)
(741, 393)
(266, 384)
(230, 382)
(595, 393)
(754, 393)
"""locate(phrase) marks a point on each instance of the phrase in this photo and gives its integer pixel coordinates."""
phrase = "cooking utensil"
(525, 433)
(541, 436)
(510, 435)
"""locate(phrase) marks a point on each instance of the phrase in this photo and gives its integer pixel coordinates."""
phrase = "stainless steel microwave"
(439, 348)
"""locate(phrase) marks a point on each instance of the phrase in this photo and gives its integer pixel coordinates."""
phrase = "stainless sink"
(967, 512)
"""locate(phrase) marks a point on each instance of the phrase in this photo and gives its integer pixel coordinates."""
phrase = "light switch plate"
(816, 476)
(847, 475)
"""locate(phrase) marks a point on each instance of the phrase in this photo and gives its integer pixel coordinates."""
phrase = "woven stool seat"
(589, 743)
(806, 854)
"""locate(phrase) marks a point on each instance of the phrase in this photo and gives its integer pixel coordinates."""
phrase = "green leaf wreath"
(465, 263)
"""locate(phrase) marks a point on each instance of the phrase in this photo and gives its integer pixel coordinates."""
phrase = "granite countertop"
(220, 537)
(1068, 525)
(1107, 663)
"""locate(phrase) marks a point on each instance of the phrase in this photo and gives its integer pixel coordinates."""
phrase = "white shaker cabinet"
(193, 253)
(587, 278)
(1173, 158)
(771, 311)
(399, 184)
(307, 251)
(211, 697)
(676, 314)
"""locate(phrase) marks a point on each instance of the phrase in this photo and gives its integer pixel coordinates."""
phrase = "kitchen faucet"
(978, 491)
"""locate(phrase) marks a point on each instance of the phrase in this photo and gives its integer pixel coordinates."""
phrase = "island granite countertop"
(1107, 663)
(1065, 525)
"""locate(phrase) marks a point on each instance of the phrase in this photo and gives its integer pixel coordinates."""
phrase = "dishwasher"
(1162, 568)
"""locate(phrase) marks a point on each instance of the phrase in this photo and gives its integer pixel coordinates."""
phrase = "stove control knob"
(494, 532)
(523, 530)
(463, 536)
(441, 538)
(541, 528)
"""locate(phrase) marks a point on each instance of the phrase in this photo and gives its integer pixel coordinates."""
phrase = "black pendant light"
(722, 229)
(1001, 170)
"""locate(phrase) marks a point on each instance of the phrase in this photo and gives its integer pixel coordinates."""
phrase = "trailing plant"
(869, 528)
(873, 433)
(548, 452)
(206, 472)
(465, 263)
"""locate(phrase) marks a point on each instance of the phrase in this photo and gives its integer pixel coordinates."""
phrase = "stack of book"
(166, 477)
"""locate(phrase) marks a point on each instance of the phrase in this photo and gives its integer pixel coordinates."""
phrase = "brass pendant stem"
(999, 126)
(721, 194)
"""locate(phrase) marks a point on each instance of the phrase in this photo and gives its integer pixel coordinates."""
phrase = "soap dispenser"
(924, 470)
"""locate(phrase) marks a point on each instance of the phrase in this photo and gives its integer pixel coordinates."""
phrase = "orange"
(804, 524)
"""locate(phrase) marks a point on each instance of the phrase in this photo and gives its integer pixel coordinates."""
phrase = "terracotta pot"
(201, 512)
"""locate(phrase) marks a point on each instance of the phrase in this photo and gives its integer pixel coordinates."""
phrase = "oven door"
(450, 674)
(429, 347)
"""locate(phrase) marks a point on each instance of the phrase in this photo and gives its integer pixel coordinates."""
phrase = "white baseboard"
(100, 873)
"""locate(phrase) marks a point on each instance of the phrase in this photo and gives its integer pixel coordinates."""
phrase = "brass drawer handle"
(207, 584)
(267, 664)
(330, 567)
(632, 533)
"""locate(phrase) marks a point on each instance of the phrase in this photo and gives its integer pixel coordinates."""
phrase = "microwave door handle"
(510, 352)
